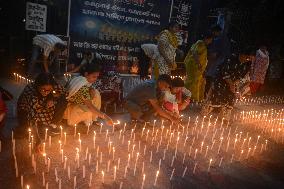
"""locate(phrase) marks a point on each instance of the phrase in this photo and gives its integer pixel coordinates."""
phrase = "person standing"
(195, 63)
(46, 48)
(258, 69)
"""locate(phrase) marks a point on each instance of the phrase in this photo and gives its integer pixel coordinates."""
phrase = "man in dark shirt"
(147, 93)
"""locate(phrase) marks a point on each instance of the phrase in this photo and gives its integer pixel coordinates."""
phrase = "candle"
(142, 185)
(97, 167)
(221, 162)
(172, 174)
(65, 160)
(208, 170)
(195, 153)
(22, 181)
(194, 169)
(108, 164)
(91, 177)
(59, 185)
(206, 151)
(113, 151)
(143, 166)
(30, 149)
(128, 160)
(75, 182)
(75, 130)
(157, 174)
(43, 179)
(120, 185)
(248, 152)
(173, 159)
(44, 155)
(68, 172)
(49, 141)
(106, 135)
(48, 164)
(183, 174)
(90, 156)
(101, 128)
(61, 131)
(88, 129)
(114, 174)
(84, 171)
(62, 155)
(135, 165)
(151, 157)
(125, 171)
(64, 138)
(86, 153)
(28, 186)
(80, 145)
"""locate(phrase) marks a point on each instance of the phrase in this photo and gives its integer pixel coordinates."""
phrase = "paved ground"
(264, 172)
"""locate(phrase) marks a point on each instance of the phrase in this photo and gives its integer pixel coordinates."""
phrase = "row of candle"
(21, 79)
(201, 140)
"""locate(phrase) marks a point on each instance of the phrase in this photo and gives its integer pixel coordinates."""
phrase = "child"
(178, 98)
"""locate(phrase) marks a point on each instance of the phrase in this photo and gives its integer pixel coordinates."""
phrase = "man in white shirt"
(47, 45)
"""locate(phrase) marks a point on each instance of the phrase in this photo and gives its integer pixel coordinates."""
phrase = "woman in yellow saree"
(195, 63)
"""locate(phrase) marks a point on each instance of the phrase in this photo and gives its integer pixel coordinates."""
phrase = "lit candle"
(48, 164)
(118, 163)
(80, 145)
(194, 169)
(49, 141)
(75, 182)
(22, 181)
(114, 174)
(75, 130)
(84, 171)
(43, 179)
(208, 170)
(157, 174)
(172, 174)
(44, 155)
(142, 185)
(64, 138)
(65, 160)
(183, 174)
(30, 149)
(91, 177)
(101, 128)
(88, 129)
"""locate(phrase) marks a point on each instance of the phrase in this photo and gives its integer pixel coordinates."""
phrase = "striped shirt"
(46, 42)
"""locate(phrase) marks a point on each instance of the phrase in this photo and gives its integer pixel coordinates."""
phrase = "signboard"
(115, 28)
(36, 17)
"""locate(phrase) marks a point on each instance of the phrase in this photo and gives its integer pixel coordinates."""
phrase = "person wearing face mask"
(222, 93)
(41, 105)
(84, 102)
(142, 101)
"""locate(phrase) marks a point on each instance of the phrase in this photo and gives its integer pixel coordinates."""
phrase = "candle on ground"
(157, 174)
(208, 170)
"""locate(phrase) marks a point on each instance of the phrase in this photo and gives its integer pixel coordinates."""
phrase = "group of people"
(213, 73)
(212, 77)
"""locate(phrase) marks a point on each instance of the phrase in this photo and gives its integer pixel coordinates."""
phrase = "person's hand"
(49, 104)
(108, 120)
